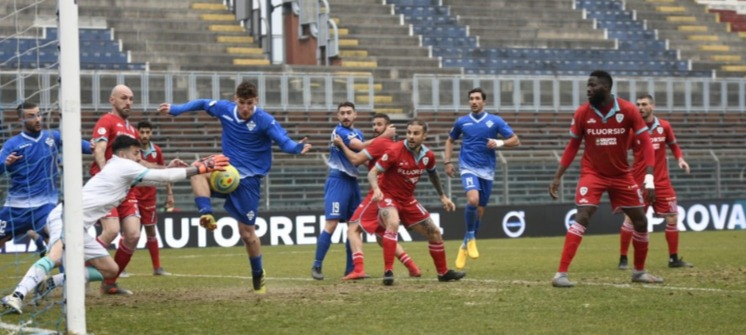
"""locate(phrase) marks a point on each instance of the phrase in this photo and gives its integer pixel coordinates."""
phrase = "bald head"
(121, 100)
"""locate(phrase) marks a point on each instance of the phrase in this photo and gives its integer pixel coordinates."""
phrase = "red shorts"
(410, 210)
(366, 215)
(665, 198)
(128, 207)
(623, 191)
(665, 202)
(148, 212)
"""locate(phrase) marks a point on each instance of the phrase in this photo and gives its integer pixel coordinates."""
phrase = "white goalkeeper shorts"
(92, 249)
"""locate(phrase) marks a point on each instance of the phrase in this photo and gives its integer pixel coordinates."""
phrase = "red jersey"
(661, 133)
(606, 137)
(376, 149)
(107, 129)
(402, 170)
(155, 156)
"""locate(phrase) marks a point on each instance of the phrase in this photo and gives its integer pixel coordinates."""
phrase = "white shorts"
(92, 249)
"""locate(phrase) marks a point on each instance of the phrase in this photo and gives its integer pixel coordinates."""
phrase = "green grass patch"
(507, 291)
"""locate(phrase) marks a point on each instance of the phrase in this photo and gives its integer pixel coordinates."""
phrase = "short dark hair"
(604, 76)
(382, 116)
(647, 96)
(23, 106)
(345, 104)
(417, 122)
(124, 142)
(246, 90)
(477, 90)
(144, 124)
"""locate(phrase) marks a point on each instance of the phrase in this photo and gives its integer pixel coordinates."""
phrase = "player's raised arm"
(287, 145)
(205, 165)
(191, 106)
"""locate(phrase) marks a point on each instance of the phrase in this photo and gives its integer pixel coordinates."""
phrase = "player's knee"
(472, 200)
(110, 270)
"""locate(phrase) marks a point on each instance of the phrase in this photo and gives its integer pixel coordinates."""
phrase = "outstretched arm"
(191, 106)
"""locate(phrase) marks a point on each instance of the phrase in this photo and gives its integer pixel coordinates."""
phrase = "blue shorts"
(243, 203)
(484, 186)
(15, 221)
(341, 197)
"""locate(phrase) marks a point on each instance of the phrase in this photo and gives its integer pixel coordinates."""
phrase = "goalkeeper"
(101, 193)
(247, 136)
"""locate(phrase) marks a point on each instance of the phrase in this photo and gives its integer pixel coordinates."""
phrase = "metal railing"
(565, 94)
(283, 91)
(521, 177)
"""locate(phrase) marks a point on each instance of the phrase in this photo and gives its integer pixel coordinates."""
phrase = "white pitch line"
(493, 281)
(17, 328)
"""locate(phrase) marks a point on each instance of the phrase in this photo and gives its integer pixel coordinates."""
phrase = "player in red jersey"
(665, 197)
(147, 196)
(126, 216)
(605, 123)
(365, 217)
(401, 167)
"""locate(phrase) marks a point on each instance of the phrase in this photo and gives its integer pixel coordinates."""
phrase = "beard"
(596, 99)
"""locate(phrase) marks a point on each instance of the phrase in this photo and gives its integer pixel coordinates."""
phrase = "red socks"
(155, 257)
(389, 249)
(672, 237)
(438, 253)
(640, 241)
(122, 258)
(572, 241)
(625, 237)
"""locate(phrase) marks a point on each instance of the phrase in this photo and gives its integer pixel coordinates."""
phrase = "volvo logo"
(514, 223)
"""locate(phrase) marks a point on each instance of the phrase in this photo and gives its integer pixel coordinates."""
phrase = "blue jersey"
(338, 162)
(475, 157)
(248, 143)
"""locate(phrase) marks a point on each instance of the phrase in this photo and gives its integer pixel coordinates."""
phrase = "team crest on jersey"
(351, 136)
(385, 157)
(619, 118)
(251, 125)
(660, 130)
(101, 131)
(425, 160)
(490, 124)
(583, 191)
(49, 141)
(250, 215)
(591, 121)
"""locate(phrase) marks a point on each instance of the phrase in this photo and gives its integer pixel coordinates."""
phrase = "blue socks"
(322, 246)
(203, 205)
(470, 213)
(256, 265)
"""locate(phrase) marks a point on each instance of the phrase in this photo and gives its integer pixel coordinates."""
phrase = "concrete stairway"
(180, 35)
(528, 24)
(696, 33)
(375, 40)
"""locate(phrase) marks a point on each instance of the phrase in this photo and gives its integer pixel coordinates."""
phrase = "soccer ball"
(225, 181)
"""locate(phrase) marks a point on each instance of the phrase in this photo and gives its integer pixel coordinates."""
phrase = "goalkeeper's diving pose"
(247, 136)
(101, 193)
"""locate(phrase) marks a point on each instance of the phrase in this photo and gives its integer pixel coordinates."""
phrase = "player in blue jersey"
(31, 161)
(341, 191)
(247, 136)
(482, 133)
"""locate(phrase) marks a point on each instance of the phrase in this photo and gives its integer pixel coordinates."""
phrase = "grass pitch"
(507, 291)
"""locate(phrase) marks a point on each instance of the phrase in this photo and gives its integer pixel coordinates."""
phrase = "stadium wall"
(182, 230)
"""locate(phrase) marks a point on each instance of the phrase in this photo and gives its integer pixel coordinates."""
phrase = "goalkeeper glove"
(211, 163)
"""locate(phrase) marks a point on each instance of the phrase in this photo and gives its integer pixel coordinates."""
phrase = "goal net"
(32, 156)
